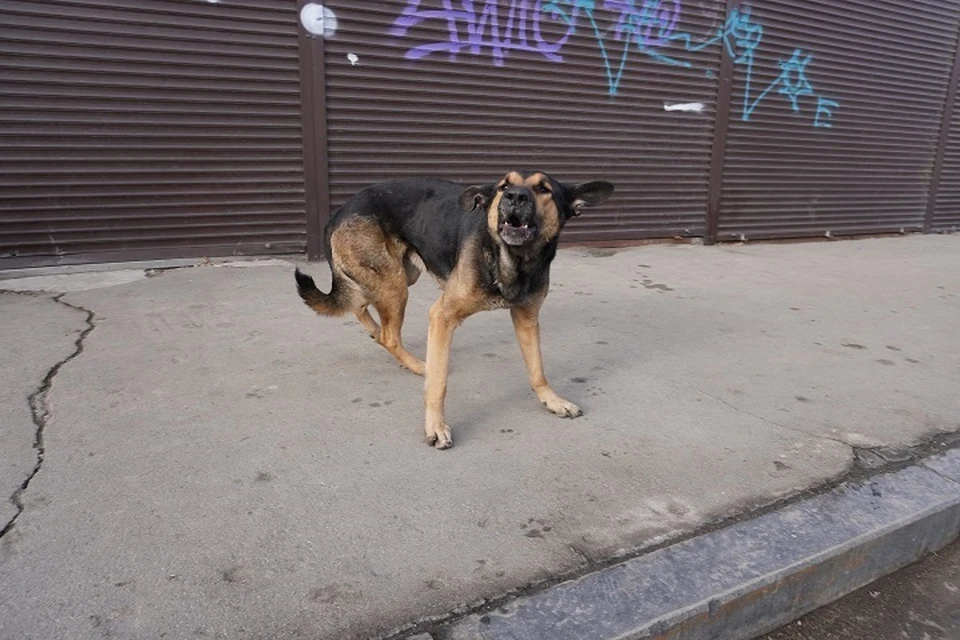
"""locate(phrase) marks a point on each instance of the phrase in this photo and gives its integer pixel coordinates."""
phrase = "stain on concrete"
(601, 252)
(231, 575)
(650, 284)
(331, 593)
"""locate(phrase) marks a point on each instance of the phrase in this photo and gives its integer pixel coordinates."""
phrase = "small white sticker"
(688, 107)
(318, 20)
(353, 58)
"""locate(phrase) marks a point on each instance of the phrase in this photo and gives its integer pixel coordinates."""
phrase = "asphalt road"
(919, 602)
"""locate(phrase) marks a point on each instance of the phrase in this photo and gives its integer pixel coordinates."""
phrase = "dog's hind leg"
(373, 261)
(391, 304)
(363, 315)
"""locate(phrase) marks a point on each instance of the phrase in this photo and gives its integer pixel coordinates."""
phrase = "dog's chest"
(491, 302)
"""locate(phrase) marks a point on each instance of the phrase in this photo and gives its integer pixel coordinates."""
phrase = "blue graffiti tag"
(824, 111)
(741, 38)
(651, 25)
(649, 28)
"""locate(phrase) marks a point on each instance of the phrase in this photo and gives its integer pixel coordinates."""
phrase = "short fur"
(488, 246)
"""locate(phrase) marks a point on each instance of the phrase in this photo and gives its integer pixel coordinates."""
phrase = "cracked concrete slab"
(222, 462)
(37, 334)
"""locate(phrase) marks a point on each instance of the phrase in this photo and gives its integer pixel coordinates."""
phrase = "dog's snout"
(518, 197)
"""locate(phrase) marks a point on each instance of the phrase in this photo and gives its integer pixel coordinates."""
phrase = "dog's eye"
(503, 187)
(541, 188)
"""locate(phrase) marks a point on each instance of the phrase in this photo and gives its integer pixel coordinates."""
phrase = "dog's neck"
(518, 272)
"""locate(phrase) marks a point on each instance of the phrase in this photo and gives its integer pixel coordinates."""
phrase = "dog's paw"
(561, 407)
(441, 438)
(419, 367)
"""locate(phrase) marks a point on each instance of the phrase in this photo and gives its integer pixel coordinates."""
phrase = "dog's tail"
(334, 303)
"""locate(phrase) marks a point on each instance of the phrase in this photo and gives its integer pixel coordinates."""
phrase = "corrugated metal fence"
(160, 127)
(843, 142)
(408, 94)
(148, 128)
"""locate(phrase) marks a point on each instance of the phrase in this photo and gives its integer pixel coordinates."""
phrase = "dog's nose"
(517, 197)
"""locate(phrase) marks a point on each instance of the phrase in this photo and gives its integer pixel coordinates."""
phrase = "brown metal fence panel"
(946, 213)
(466, 90)
(835, 116)
(148, 128)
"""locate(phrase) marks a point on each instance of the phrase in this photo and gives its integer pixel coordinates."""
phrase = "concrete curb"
(751, 577)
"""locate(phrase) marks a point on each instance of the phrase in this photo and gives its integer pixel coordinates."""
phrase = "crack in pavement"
(771, 422)
(40, 411)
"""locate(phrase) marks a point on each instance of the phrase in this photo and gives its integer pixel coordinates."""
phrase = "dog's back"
(376, 243)
(423, 213)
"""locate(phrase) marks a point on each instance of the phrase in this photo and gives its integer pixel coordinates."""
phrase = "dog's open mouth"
(516, 232)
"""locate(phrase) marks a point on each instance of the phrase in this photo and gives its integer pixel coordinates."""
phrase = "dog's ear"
(587, 194)
(476, 196)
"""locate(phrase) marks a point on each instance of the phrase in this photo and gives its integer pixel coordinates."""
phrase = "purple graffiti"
(477, 26)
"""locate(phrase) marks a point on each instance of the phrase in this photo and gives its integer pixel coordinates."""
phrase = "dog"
(488, 246)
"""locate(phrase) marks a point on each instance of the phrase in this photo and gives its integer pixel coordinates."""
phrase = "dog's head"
(529, 209)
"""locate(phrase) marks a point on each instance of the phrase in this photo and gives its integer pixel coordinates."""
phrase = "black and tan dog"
(489, 247)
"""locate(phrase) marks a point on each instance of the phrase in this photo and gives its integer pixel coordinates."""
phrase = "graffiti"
(650, 25)
(650, 28)
(474, 29)
(824, 111)
(741, 37)
(499, 27)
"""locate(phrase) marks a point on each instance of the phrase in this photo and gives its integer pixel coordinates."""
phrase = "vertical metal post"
(721, 124)
(313, 106)
(942, 142)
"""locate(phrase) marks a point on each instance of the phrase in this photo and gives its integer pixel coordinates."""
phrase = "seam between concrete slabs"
(769, 421)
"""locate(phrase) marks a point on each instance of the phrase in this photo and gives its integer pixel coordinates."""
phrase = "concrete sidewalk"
(216, 461)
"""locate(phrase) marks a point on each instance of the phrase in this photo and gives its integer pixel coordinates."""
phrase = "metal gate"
(148, 129)
(467, 90)
(943, 212)
(835, 115)
(161, 128)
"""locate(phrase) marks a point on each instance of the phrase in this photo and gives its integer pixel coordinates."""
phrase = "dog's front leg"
(526, 324)
(439, 338)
